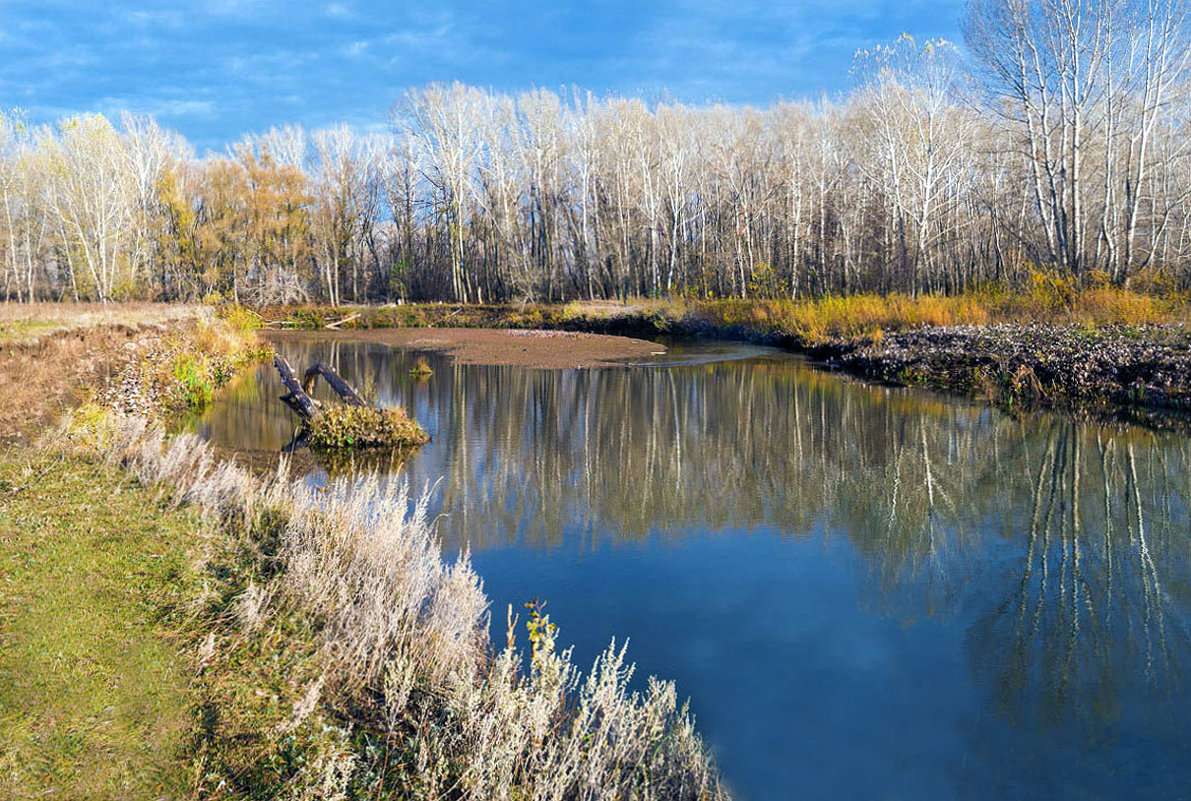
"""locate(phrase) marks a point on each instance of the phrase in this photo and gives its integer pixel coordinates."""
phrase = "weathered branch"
(345, 390)
(297, 398)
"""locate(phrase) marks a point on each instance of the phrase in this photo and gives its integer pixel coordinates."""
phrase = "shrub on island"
(341, 427)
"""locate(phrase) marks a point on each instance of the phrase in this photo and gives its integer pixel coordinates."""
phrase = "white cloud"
(160, 107)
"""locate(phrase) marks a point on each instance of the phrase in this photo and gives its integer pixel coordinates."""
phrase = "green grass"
(94, 571)
(15, 331)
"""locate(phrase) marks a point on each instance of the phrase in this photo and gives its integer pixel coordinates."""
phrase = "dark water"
(867, 593)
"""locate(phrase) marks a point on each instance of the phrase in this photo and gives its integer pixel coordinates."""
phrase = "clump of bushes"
(342, 427)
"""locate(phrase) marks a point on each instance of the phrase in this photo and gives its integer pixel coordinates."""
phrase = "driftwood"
(299, 399)
(334, 326)
(344, 389)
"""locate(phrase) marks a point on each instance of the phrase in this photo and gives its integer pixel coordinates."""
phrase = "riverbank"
(246, 636)
(1105, 352)
(99, 574)
(1140, 372)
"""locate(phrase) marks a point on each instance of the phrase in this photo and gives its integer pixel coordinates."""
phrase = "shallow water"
(866, 592)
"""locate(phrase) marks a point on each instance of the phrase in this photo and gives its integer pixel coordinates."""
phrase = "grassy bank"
(95, 687)
(803, 323)
(343, 656)
(98, 576)
(248, 637)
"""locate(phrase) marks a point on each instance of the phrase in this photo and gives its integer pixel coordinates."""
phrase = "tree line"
(1060, 141)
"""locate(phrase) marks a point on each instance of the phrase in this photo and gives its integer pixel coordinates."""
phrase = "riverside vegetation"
(290, 642)
(342, 427)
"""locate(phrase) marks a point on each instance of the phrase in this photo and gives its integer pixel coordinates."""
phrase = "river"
(866, 592)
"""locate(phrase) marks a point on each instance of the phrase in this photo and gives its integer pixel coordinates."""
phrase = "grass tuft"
(421, 369)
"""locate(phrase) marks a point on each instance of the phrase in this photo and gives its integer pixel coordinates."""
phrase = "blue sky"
(215, 69)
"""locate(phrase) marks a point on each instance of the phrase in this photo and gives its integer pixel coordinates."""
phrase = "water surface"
(866, 592)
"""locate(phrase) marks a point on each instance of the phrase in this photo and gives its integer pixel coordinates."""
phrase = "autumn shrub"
(341, 426)
(240, 318)
(1054, 289)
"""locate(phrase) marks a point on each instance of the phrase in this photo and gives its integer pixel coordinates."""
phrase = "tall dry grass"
(403, 648)
(1050, 299)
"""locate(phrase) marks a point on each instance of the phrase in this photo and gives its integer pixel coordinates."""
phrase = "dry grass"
(1048, 298)
(52, 354)
(180, 371)
(410, 697)
(868, 316)
(22, 322)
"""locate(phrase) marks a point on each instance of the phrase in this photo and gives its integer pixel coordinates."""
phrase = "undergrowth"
(181, 371)
(1049, 298)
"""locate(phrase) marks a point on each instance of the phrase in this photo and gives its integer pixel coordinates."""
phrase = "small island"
(352, 424)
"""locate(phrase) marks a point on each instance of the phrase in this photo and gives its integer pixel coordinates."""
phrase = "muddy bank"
(1112, 370)
(532, 348)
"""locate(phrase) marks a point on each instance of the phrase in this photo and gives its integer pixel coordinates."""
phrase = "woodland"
(1056, 140)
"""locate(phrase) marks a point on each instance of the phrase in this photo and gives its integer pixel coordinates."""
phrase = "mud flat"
(549, 350)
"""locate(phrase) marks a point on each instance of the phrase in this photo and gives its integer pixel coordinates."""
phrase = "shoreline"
(1137, 372)
(285, 638)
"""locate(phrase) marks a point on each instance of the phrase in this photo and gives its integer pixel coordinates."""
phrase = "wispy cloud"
(219, 68)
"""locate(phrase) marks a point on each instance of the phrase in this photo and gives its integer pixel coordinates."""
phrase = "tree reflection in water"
(1070, 540)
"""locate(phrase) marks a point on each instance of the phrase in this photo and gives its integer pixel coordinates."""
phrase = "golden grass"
(868, 316)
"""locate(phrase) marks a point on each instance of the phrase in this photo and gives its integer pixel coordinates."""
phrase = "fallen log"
(345, 390)
(297, 398)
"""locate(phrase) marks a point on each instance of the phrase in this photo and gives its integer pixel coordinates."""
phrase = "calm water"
(867, 593)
